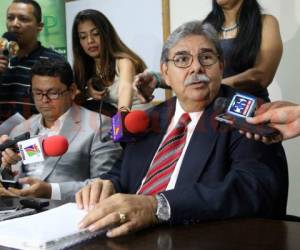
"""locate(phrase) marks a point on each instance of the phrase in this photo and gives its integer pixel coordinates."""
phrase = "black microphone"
(220, 105)
(12, 143)
(233, 112)
(9, 44)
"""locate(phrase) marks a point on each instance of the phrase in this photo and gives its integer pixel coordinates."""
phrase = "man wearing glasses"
(188, 168)
(53, 92)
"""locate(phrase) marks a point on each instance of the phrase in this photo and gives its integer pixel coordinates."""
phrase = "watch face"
(163, 210)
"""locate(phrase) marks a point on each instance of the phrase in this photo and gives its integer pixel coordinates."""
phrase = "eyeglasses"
(50, 94)
(185, 60)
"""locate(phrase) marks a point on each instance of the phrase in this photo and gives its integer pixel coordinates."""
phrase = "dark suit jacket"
(223, 174)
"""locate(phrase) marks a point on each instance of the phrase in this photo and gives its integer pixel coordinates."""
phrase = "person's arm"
(267, 61)
(125, 92)
(255, 184)
(284, 116)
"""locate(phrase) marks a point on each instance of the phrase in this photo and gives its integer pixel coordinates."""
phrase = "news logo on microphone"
(242, 105)
(36, 149)
(31, 150)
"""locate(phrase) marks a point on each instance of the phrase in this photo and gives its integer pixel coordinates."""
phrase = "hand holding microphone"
(233, 112)
(31, 150)
(96, 88)
(8, 49)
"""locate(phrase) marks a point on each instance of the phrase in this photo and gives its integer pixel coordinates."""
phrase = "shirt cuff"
(55, 194)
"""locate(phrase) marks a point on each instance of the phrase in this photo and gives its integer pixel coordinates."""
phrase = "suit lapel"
(199, 149)
(160, 119)
(69, 130)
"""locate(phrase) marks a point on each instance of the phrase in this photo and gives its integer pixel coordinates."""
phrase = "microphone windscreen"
(10, 36)
(136, 121)
(55, 145)
(220, 105)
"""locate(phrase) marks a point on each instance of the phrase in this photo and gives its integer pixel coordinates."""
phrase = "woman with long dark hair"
(104, 66)
(251, 43)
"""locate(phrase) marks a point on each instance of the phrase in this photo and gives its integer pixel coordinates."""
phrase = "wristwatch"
(163, 211)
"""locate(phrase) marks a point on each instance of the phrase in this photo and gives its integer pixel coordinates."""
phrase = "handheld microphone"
(12, 143)
(37, 148)
(126, 127)
(8, 45)
(233, 112)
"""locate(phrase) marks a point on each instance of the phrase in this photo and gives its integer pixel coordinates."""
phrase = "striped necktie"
(164, 162)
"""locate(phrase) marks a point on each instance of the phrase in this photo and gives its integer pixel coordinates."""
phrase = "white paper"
(35, 231)
(10, 123)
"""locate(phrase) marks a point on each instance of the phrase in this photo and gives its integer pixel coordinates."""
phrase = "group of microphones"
(129, 126)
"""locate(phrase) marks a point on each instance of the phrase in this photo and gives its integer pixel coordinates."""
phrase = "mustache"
(196, 78)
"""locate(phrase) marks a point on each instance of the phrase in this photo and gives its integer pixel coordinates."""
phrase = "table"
(235, 234)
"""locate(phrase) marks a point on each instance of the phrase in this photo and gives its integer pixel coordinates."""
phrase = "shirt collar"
(57, 124)
(195, 116)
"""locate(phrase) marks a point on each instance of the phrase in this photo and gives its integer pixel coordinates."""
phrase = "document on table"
(56, 228)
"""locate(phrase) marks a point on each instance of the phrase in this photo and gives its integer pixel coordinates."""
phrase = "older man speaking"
(189, 168)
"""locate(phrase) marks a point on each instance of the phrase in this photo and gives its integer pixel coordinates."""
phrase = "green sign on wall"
(54, 32)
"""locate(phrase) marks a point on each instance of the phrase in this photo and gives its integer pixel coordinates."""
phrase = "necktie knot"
(184, 120)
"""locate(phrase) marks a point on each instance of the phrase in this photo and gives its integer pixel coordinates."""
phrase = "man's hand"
(94, 192)
(3, 63)
(5, 192)
(8, 156)
(145, 84)
(122, 214)
(284, 116)
(37, 189)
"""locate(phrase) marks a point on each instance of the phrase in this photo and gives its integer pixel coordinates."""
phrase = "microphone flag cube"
(31, 150)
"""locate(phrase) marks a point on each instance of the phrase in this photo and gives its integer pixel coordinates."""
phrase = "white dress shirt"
(36, 169)
(195, 116)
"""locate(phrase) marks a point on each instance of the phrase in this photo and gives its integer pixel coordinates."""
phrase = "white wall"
(286, 84)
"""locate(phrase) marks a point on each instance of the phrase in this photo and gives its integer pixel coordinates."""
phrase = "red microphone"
(55, 145)
(136, 121)
(127, 126)
(37, 148)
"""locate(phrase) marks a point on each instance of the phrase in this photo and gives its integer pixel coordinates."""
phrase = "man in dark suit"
(218, 174)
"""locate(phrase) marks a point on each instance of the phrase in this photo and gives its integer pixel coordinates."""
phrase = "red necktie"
(164, 162)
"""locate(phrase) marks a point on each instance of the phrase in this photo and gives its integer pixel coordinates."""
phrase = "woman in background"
(251, 43)
(104, 66)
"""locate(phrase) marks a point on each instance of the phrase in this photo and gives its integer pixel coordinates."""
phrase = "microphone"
(37, 148)
(8, 45)
(12, 143)
(127, 127)
(233, 112)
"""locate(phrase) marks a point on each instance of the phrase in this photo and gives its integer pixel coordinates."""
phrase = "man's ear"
(40, 26)
(164, 72)
(73, 89)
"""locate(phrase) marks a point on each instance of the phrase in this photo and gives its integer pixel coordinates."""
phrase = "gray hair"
(187, 29)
